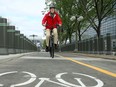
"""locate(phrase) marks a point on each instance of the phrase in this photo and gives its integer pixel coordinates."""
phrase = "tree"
(44, 44)
(69, 8)
(64, 7)
(96, 11)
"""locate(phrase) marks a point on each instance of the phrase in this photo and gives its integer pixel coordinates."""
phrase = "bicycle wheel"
(52, 51)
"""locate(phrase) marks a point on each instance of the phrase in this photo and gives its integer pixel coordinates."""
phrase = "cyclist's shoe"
(56, 46)
(47, 48)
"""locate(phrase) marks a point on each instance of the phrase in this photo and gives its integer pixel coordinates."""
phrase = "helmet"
(52, 6)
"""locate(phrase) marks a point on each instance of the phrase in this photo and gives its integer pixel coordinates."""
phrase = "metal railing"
(104, 45)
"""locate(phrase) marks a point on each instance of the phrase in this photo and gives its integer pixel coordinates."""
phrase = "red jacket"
(51, 22)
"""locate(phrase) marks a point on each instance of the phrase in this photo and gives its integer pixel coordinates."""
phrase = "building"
(108, 27)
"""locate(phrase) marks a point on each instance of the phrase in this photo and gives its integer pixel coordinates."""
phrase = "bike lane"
(39, 70)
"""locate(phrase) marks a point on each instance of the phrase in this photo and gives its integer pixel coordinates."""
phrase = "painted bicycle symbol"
(60, 81)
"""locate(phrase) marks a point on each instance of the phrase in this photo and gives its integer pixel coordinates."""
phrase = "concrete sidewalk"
(5, 58)
(98, 56)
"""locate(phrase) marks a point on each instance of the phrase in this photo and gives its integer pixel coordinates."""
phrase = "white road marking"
(8, 73)
(99, 82)
(42, 80)
(81, 83)
(1, 85)
(48, 80)
(33, 78)
(2, 74)
(58, 77)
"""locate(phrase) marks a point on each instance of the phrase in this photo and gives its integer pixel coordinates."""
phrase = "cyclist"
(50, 21)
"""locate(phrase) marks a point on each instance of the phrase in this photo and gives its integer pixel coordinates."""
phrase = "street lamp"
(33, 37)
(77, 20)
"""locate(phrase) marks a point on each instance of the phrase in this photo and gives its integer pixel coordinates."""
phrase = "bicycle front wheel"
(52, 51)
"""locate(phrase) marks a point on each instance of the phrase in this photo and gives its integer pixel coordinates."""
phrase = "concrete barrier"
(10, 39)
(3, 36)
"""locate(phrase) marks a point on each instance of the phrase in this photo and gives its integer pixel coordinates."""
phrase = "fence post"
(108, 39)
(91, 45)
(101, 45)
(78, 46)
(114, 44)
(95, 45)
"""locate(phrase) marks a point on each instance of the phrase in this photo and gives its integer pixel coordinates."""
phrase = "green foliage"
(44, 44)
(97, 10)
(91, 10)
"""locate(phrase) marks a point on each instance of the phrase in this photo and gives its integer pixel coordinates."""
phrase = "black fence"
(104, 45)
(12, 41)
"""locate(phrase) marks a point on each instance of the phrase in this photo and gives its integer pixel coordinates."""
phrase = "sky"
(26, 15)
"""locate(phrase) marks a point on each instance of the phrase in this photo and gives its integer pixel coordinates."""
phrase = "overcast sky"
(24, 14)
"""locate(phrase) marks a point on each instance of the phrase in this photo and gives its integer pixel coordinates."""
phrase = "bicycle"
(51, 41)
(51, 44)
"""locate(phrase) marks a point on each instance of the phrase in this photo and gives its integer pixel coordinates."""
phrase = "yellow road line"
(90, 66)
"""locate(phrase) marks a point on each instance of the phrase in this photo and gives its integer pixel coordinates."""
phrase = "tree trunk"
(70, 39)
(79, 32)
(79, 37)
(66, 40)
(99, 29)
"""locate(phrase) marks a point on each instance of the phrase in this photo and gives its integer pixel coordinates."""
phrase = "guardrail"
(12, 41)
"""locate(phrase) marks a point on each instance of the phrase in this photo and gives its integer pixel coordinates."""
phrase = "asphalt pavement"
(65, 70)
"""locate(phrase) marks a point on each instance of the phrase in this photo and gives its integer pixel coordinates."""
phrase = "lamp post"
(33, 37)
(77, 19)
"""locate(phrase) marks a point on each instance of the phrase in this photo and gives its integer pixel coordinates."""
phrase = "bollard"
(3, 36)
(10, 39)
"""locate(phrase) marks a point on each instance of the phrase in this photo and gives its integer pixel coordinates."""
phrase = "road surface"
(65, 70)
